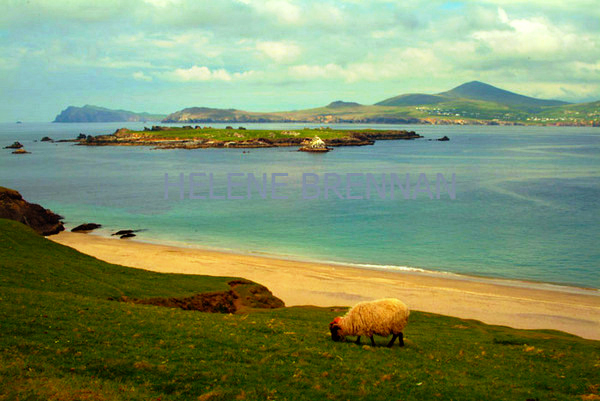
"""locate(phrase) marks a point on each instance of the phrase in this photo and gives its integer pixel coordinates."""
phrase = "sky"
(269, 55)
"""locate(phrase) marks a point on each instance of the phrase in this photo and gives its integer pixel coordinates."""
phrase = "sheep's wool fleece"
(382, 317)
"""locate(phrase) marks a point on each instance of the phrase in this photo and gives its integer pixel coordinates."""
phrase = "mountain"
(470, 103)
(341, 104)
(95, 114)
(476, 90)
(411, 99)
(208, 115)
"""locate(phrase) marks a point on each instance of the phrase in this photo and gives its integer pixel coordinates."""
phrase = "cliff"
(14, 207)
(95, 114)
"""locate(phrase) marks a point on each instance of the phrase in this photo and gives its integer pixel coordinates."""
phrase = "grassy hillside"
(476, 90)
(412, 99)
(572, 112)
(62, 338)
(472, 102)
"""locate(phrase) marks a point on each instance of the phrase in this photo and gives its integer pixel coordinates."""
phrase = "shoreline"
(493, 301)
(104, 232)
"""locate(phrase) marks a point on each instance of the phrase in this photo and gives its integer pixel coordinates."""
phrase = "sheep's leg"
(357, 340)
(372, 341)
(394, 336)
(401, 339)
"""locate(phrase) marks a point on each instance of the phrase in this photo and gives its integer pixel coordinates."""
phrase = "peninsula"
(189, 137)
(472, 103)
(95, 114)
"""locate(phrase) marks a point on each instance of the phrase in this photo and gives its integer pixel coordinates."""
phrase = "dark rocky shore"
(14, 207)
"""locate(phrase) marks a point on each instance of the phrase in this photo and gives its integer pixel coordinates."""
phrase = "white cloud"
(395, 64)
(140, 76)
(534, 37)
(280, 52)
(282, 11)
(555, 90)
(384, 34)
(203, 74)
(163, 3)
(316, 71)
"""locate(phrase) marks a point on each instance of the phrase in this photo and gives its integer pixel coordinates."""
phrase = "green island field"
(205, 136)
(63, 338)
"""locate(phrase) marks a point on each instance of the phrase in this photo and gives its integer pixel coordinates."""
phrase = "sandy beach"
(514, 304)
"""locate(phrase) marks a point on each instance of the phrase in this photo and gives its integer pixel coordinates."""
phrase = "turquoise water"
(527, 198)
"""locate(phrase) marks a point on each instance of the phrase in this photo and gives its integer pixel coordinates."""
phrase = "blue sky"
(266, 55)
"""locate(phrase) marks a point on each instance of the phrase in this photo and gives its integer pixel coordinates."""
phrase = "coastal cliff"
(95, 114)
(14, 207)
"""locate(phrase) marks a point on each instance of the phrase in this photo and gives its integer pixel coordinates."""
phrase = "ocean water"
(526, 207)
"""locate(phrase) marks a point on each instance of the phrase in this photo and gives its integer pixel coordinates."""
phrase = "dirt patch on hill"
(243, 296)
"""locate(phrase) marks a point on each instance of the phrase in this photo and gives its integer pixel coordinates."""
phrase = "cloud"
(203, 74)
(395, 64)
(280, 52)
(283, 11)
(163, 3)
(308, 47)
(316, 71)
(534, 37)
(140, 76)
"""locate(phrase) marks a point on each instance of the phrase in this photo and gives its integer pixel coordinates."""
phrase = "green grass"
(61, 338)
(235, 134)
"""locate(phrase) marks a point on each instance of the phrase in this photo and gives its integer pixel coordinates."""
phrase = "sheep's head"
(335, 329)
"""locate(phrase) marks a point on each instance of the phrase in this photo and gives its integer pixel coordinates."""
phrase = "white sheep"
(382, 317)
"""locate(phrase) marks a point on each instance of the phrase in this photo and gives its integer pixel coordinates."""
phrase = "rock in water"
(125, 232)
(128, 235)
(315, 145)
(444, 138)
(86, 227)
(20, 152)
(14, 207)
(47, 139)
(15, 145)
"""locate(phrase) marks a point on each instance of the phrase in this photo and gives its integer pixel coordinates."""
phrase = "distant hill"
(208, 115)
(95, 114)
(470, 103)
(476, 90)
(340, 104)
(411, 99)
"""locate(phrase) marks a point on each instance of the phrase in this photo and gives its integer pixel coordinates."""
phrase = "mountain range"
(470, 103)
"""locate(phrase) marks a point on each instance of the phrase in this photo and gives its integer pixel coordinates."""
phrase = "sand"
(515, 304)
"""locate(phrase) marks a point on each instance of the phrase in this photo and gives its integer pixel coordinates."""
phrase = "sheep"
(382, 317)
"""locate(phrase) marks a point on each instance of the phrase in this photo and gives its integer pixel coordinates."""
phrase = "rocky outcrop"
(86, 227)
(14, 207)
(125, 232)
(443, 139)
(15, 145)
(20, 152)
(315, 145)
(47, 139)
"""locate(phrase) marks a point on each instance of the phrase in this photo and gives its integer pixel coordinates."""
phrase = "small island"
(189, 137)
